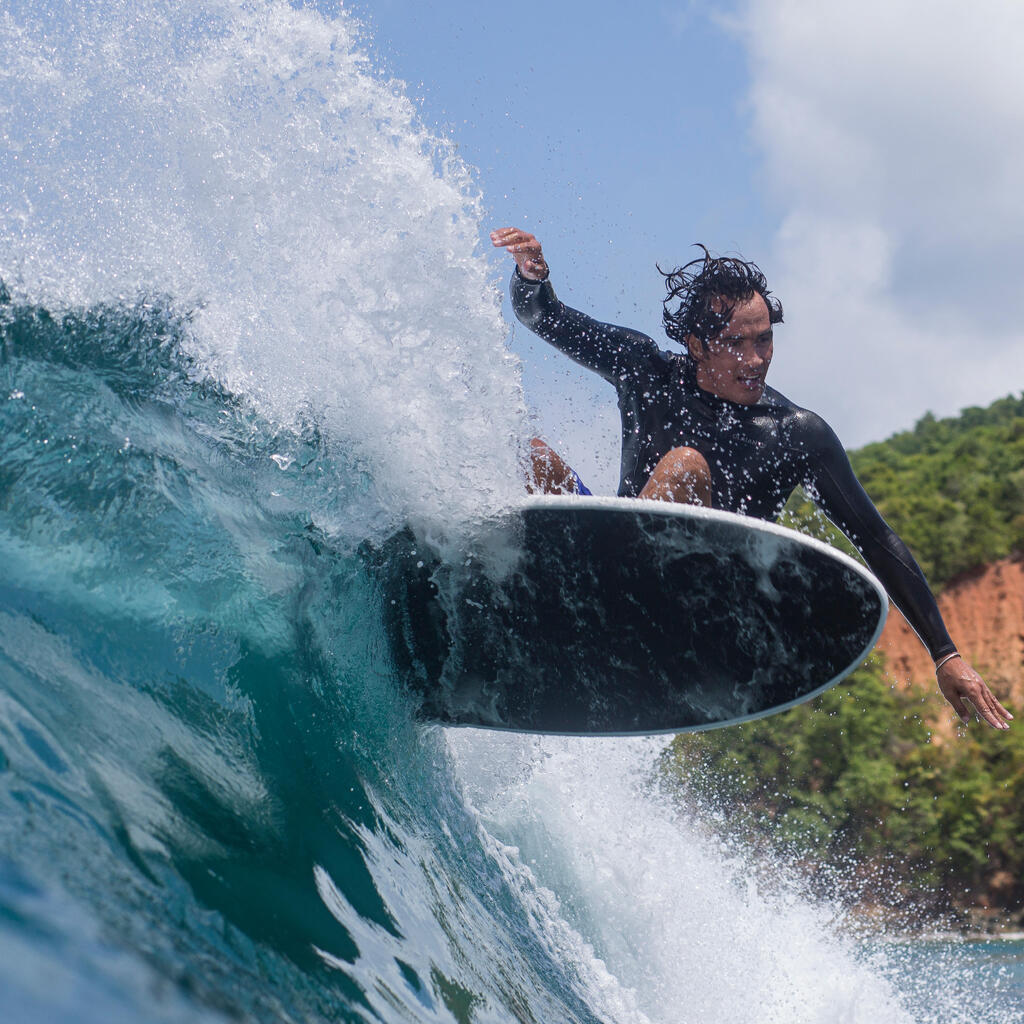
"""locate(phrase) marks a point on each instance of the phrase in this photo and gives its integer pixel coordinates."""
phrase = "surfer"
(709, 406)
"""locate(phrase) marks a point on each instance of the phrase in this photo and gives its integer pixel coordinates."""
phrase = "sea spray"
(243, 160)
(678, 919)
(689, 926)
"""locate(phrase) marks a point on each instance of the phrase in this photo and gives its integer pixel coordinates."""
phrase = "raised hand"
(524, 249)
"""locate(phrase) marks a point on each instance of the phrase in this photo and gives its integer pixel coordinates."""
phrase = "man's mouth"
(753, 382)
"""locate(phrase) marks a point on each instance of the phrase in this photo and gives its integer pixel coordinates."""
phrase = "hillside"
(953, 488)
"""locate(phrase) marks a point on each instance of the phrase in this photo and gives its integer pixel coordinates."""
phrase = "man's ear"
(695, 348)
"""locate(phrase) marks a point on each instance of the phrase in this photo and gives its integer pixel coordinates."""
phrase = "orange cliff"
(984, 612)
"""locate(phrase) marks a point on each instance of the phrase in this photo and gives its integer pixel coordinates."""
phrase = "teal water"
(221, 373)
(921, 968)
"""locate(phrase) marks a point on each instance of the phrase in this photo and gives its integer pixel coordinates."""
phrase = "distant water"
(245, 328)
(920, 969)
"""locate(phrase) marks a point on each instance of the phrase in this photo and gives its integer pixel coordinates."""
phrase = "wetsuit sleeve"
(611, 351)
(833, 486)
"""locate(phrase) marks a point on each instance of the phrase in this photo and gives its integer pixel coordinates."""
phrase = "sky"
(865, 153)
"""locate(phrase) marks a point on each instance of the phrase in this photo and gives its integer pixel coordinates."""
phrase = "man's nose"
(753, 357)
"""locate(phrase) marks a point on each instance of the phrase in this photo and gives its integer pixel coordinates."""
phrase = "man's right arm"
(608, 350)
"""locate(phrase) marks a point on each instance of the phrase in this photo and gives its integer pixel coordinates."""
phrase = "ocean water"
(246, 327)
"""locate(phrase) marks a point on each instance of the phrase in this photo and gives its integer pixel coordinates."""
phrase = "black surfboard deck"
(615, 616)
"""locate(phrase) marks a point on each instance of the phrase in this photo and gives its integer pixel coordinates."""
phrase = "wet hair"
(697, 285)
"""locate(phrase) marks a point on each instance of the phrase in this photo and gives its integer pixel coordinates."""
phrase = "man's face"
(734, 364)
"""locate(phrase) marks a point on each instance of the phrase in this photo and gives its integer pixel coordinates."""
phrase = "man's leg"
(683, 476)
(549, 473)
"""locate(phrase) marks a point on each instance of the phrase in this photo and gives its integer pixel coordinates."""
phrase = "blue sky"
(865, 154)
(617, 137)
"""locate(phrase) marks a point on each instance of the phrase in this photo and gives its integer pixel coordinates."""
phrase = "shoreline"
(962, 924)
(949, 937)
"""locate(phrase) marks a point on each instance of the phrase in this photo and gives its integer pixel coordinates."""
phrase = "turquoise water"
(921, 969)
(222, 371)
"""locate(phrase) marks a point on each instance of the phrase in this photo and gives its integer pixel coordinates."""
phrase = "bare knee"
(682, 475)
(685, 460)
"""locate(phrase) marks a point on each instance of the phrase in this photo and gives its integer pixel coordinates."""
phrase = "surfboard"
(615, 616)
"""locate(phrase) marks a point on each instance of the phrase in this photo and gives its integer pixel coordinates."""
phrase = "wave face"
(244, 330)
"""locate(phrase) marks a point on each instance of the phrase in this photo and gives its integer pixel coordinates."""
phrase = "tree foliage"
(953, 488)
(853, 777)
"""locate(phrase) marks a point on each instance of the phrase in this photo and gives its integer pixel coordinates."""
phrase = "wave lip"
(322, 244)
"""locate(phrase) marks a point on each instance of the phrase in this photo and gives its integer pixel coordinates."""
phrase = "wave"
(199, 710)
(246, 329)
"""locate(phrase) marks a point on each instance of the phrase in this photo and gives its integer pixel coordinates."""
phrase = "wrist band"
(948, 657)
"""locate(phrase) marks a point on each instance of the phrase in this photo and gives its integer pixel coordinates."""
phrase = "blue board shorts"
(581, 487)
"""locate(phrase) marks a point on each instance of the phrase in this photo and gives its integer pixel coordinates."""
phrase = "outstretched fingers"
(989, 709)
(962, 686)
(515, 240)
(512, 236)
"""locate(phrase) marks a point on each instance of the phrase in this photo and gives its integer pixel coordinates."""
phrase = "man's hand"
(525, 250)
(959, 682)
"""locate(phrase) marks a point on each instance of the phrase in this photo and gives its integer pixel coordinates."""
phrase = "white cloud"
(893, 140)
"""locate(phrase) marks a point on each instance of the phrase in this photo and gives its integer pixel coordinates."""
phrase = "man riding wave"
(702, 427)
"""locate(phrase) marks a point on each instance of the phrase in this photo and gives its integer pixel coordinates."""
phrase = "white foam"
(246, 160)
(669, 923)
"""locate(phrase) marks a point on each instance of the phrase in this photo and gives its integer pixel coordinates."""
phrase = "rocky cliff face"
(984, 611)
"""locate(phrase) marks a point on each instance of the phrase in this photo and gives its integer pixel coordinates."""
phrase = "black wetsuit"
(757, 453)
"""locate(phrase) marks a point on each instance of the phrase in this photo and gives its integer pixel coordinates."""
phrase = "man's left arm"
(837, 491)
